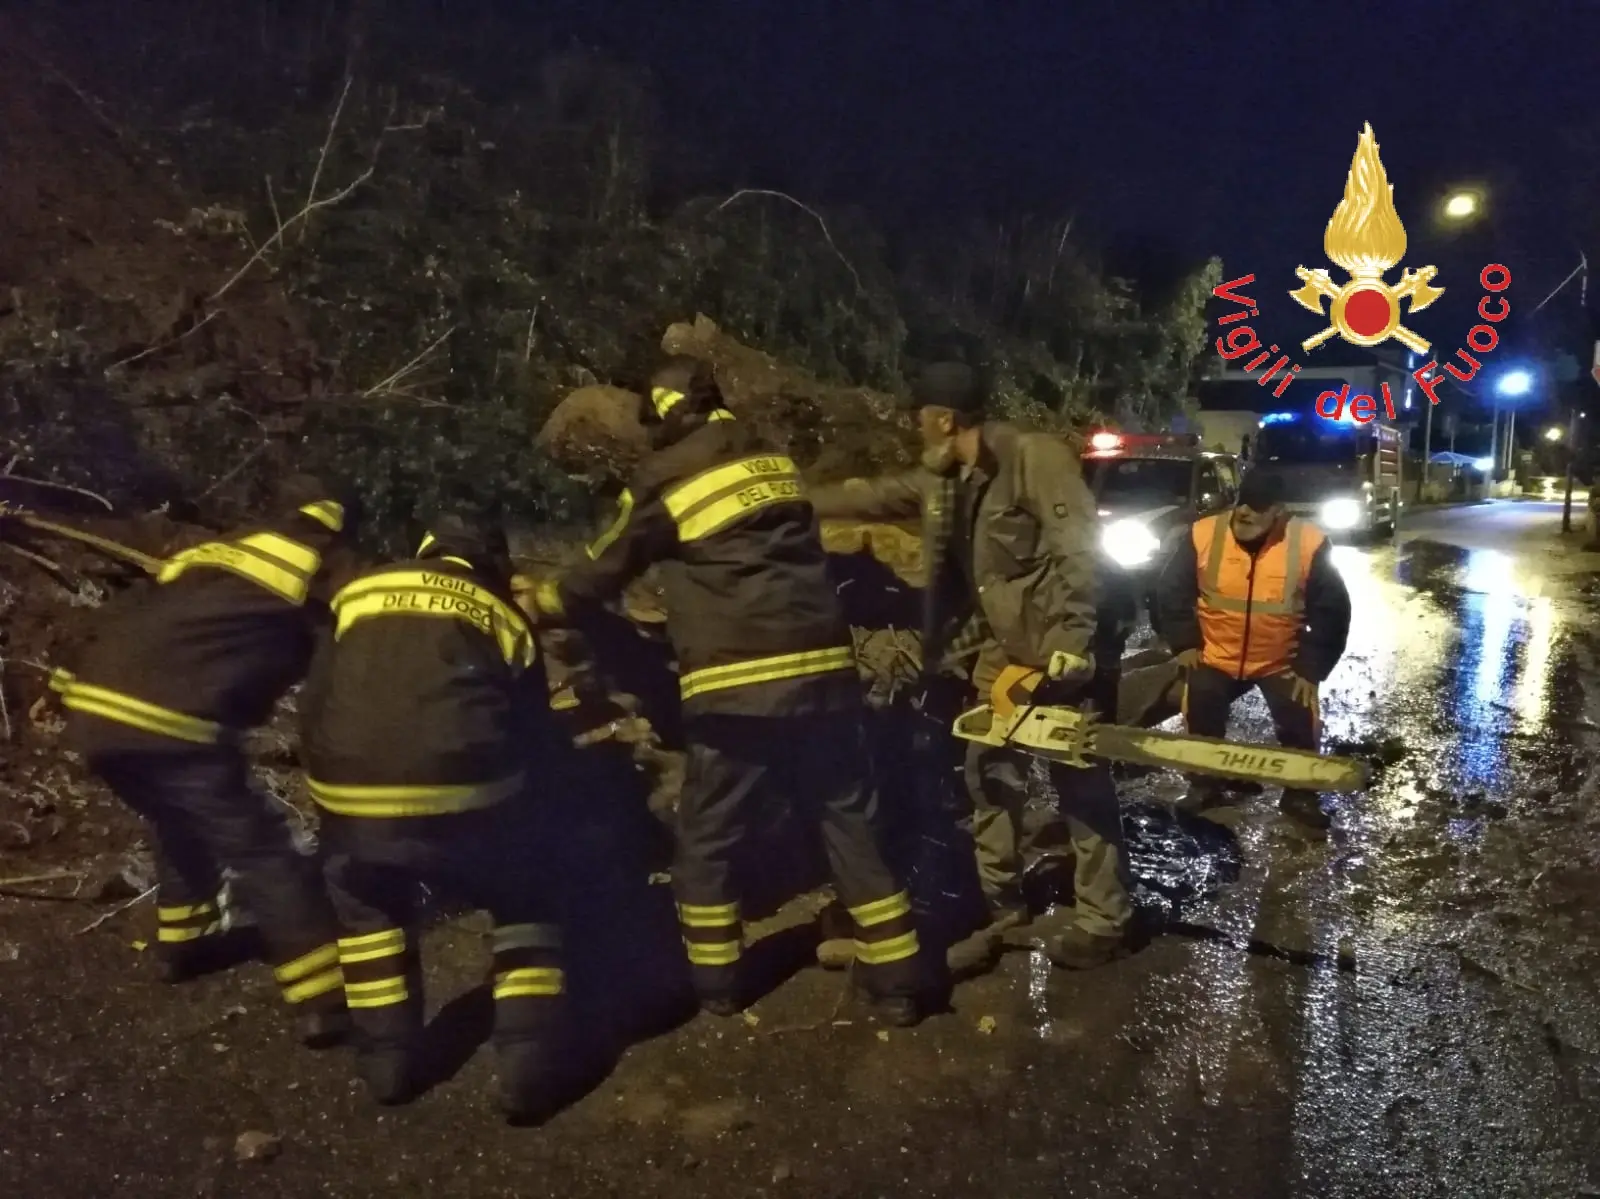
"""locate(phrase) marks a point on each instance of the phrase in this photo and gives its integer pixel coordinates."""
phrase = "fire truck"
(1149, 489)
(1344, 476)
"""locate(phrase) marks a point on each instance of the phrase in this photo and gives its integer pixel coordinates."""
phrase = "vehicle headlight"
(1129, 543)
(1341, 514)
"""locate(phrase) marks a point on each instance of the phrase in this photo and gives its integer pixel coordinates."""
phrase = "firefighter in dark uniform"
(422, 715)
(159, 706)
(767, 672)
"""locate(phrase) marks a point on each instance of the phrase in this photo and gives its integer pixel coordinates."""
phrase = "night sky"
(1222, 128)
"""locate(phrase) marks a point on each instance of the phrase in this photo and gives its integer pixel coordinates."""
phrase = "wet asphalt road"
(1457, 1058)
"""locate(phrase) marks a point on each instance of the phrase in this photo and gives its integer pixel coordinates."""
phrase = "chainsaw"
(1072, 736)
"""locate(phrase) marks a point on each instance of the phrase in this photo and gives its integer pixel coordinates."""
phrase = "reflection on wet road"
(1457, 1057)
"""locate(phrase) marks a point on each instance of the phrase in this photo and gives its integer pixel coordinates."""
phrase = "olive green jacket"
(1012, 542)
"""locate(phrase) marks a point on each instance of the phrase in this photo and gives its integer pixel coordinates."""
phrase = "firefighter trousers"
(375, 867)
(818, 766)
(206, 817)
(1209, 694)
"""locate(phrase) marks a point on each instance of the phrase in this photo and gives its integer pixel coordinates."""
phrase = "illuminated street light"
(1462, 206)
(1515, 383)
(1483, 464)
(1552, 434)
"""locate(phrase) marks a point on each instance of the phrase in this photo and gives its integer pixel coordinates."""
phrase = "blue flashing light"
(1278, 418)
(1515, 383)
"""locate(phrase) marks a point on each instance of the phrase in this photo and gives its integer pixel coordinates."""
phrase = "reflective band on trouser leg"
(178, 923)
(374, 966)
(885, 932)
(133, 712)
(393, 802)
(713, 935)
(311, 975)
(767, 670)
(527, 962)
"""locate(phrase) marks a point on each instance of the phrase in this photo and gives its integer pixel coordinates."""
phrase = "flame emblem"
(1366, 238)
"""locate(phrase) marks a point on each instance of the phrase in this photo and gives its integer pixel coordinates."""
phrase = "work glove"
(1302, 691)
(1069, 668)
(541, 600)
(1188, 659)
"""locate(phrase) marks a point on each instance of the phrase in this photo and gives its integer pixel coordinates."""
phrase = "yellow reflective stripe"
(526, 936)
(719, 414)
(712, 483)
(880, 953)
(169, 934)
(326, 512)
(185, 912)
(125, 709)
(603, 542)
(712, 953)
(708, 915)
(767, 670)
(320, 958)
(269, 560)
(883, 910)
(529, 980)
(371, 946)
(318, 984)
(456, 560)
(395, 801)
(384, 993)
(425, 545)
(665, 399)
(712, 500)
(435, 594)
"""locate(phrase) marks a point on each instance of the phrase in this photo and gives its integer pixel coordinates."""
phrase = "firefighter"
(1009, 532)
(159, 705)
(422, 716)
(771, 696)
(1251, 599)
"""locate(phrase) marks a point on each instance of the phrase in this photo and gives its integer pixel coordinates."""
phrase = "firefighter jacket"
(1010, 547)
(1256, 611)
(204, 655)
(429, 695)
(751, 610)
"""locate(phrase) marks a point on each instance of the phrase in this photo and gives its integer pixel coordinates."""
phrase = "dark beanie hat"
(1260, 490)
(952, 385)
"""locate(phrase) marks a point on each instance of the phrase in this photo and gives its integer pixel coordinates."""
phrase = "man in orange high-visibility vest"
(1252, 599)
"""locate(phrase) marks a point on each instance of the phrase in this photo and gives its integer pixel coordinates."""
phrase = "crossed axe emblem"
(1376, 315)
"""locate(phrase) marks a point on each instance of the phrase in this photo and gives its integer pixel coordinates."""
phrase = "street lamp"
(1552, 434)
(1515, 383)
(1462, 206)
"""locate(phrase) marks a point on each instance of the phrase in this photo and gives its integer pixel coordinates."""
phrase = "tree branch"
(390, 385)
(816, 216)
(316, 175)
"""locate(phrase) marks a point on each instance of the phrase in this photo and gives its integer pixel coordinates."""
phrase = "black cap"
(952, 385)
(1260, 490)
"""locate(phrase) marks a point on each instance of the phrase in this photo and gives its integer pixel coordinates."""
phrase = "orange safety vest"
(1252, 609)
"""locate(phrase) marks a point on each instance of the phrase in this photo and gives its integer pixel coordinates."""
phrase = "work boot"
(897, 1011)
(1201, 797)
(186, 961)
(389, 1072)
(1079, 949)
(979, 951)
(527, 1084)
(720, 1004)
(323, 1029)
(1304, 809)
